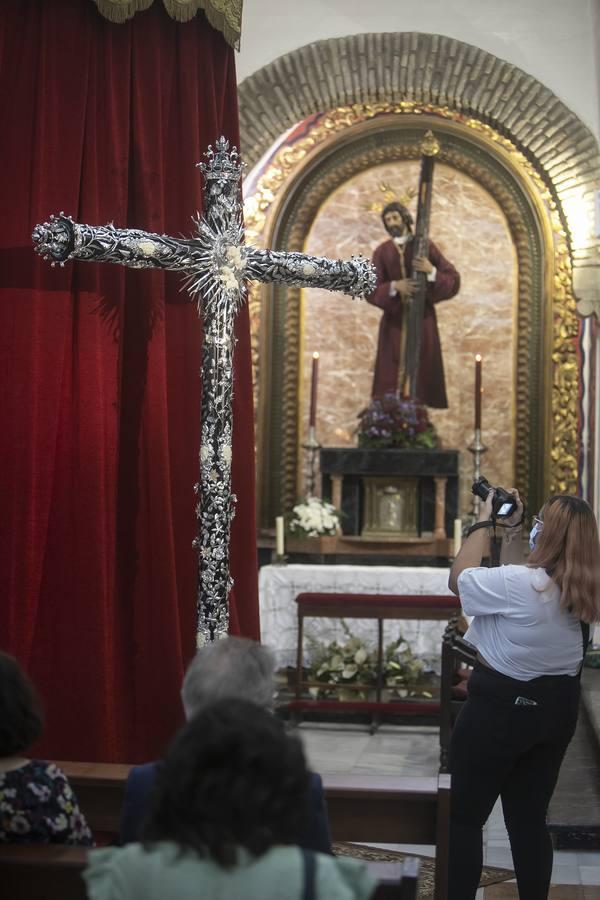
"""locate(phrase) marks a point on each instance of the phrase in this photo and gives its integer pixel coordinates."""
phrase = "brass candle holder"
(312, 447)
(477, 448)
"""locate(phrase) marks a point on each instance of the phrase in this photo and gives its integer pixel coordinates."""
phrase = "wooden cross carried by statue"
(216, 262)
(430, 148)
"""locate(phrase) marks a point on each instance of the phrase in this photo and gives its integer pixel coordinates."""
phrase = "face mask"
(533, 534)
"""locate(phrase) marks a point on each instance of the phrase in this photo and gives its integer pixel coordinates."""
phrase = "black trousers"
(512, 748)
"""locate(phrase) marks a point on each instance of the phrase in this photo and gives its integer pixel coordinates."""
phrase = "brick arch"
(433, 69)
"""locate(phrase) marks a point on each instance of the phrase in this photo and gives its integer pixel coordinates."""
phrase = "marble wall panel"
(470, 229)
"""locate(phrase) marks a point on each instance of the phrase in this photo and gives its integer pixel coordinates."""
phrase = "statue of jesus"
(394, 264)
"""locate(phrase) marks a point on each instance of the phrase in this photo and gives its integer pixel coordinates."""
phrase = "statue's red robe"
(431, 387)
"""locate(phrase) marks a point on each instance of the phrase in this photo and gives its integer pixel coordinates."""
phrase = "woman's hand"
(517, 516)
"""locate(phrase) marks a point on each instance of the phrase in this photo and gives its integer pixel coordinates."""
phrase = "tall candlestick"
(279, 540)
(312, 419)
(478, 392)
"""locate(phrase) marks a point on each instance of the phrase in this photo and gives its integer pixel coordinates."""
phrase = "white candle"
(279, 541)
(457, 536)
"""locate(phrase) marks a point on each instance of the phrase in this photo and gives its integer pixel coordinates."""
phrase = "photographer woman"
(530, 631)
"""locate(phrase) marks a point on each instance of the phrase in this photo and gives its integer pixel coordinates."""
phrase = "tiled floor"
(415, 751)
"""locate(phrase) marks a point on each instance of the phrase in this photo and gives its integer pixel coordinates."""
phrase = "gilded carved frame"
(279, 214)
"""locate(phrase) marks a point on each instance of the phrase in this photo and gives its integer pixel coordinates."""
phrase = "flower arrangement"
(402, 669)
(390, 421)
(342, 664)
(313, 517)
(354, 663)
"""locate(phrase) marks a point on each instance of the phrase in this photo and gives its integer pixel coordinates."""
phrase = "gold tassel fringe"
(120, 11)
(224, 15)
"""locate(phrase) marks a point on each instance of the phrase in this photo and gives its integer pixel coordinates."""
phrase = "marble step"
(574, 813)
(590, 698)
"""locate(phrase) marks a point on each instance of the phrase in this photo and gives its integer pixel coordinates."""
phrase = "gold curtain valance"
(224, 15)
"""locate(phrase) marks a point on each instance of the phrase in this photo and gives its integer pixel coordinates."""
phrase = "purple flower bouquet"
(393, 422)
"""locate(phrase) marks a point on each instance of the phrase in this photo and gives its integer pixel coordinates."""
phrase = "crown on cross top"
(222, 164)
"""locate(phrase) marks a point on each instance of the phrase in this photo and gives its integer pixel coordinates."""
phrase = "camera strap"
(495, 549)
(495, 540)
(477, 525)
(492, 523)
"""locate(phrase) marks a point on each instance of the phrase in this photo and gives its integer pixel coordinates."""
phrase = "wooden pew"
(386, 809)
(100, 790)
(390, 809)
(396, 881)
(42, 872)
(45, 872)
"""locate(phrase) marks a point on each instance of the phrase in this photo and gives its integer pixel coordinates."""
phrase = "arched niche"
(387, 138)
(500, 125)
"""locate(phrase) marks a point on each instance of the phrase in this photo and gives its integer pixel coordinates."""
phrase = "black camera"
(503, 505)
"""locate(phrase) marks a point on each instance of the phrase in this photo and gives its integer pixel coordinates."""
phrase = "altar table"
(280, 584)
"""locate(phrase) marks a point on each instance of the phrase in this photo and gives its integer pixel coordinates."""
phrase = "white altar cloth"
(279, 586)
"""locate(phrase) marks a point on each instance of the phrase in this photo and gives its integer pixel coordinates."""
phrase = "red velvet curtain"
(100, 386)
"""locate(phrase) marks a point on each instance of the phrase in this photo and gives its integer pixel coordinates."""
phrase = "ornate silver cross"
(217, 263)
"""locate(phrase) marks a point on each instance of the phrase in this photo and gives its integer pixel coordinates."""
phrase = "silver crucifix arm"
(355, 276)
(62, 239)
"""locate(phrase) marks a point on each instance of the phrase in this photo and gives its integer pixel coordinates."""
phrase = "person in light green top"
(228, 802)
(134, 873)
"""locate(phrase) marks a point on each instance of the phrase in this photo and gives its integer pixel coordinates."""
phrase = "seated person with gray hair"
(232, 668)
(224, 819)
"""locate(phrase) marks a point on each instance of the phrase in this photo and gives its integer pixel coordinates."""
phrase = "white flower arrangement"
(354, 662)
(314, 517)
(341, 664)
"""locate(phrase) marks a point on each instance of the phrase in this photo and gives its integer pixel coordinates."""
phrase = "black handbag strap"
(585, 637)
(308, 861)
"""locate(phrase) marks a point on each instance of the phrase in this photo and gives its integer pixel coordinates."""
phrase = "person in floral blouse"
(37, 803)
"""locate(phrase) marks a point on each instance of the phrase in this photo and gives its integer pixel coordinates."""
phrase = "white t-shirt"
(518, 625)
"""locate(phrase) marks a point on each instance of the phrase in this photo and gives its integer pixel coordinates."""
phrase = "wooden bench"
(42, 872)
(390, 809)
(100, 790)
(384, 809)
(45, 872)
(380, 607)
(396, 881)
